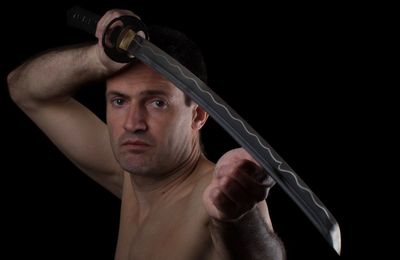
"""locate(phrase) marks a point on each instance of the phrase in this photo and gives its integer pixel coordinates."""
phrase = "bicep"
(83, 138)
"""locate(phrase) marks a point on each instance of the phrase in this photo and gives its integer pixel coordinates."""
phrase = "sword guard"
(112, 36)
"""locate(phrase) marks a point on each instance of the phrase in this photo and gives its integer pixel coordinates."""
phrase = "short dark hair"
(180, 47)
(183, 49)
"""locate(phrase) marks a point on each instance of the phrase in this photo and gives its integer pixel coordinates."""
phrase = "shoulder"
(200, 179)
(202, 176)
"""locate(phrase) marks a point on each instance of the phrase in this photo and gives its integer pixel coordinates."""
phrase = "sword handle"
(87, 21)
(82, 19)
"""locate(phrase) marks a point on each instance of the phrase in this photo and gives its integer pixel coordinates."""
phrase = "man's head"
(181, 48)
(153, 127)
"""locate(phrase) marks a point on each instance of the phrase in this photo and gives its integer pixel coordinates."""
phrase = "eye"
(118, 102)
(158, 103)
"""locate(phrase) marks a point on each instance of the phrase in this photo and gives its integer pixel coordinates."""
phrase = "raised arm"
(43, 87)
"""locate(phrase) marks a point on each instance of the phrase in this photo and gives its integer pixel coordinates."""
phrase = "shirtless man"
(176, 204)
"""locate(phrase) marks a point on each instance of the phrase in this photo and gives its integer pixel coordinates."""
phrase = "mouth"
(135, 145)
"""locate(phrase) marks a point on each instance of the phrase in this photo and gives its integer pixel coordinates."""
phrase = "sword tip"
(336, 238)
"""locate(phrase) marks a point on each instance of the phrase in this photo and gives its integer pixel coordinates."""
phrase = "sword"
(123, 44)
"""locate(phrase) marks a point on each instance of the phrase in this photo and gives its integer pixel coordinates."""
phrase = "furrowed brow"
(153, 93)
(114, 93)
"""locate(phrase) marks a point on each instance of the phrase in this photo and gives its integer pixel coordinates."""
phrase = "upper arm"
(83, 138)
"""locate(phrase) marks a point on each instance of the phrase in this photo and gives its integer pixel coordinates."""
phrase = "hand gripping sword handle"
(113, 34)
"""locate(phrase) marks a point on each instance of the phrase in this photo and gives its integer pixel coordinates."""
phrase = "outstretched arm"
(43, 87)
(240, 225)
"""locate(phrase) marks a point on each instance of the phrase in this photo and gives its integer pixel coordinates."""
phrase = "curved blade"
(223, 114)
(241, 131)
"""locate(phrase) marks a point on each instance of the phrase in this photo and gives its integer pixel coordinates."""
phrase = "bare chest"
(177, 231)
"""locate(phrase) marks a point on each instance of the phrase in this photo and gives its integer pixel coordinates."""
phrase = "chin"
(130, 161)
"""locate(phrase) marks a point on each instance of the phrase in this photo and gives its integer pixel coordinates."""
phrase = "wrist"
(244, 219)
(101, 62)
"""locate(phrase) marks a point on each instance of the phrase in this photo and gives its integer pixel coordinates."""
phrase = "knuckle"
(247, 166)
(269, 182)
(236, 174)
(224, 170)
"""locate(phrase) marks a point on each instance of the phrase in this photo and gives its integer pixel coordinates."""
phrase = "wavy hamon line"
(219, 110)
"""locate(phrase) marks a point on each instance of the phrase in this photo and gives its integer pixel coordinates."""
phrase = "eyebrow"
(142, 93)
(114, 93)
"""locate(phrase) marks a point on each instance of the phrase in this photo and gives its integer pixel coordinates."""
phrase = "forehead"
(139, 77)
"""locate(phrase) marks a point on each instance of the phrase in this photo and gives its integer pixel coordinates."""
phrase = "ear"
(199, 117)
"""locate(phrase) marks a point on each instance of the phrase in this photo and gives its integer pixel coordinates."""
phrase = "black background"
(299, 74)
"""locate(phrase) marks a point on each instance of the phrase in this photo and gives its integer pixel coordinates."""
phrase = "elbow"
(18, 93)
(13, 86)
(10, 83)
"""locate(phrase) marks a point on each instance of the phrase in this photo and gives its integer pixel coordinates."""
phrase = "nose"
(135, 120)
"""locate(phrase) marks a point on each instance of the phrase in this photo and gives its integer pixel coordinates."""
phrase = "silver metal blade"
(243, 133)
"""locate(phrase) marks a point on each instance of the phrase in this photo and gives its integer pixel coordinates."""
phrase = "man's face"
(151, 128)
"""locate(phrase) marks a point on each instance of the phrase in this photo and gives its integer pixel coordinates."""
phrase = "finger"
(244, 172)
(222, 202)
(250, 168)
(108, 17)
(254, 189)
(235, 192)
(256, 172)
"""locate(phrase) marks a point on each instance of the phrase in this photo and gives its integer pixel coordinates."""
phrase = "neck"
(150, 191)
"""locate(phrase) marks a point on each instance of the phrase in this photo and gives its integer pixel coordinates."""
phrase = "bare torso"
(175, 228)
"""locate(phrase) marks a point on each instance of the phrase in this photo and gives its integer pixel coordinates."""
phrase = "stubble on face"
(166, 142)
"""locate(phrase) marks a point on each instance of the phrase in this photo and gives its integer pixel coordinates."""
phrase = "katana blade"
(136, 46)
(242, 132)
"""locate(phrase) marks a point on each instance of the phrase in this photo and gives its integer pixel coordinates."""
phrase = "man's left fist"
(238, 184)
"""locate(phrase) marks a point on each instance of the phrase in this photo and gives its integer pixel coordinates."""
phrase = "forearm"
(54, 75)
(247, 238)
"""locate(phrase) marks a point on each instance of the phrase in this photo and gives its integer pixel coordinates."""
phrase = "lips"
(135, 144)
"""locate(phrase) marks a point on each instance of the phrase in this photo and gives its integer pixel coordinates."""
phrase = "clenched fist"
(238, 184)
